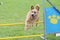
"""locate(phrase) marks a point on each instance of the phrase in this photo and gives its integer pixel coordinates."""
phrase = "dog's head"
(34, 11)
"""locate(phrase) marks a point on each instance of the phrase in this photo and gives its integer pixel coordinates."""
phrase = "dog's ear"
(37, 7)
(32, 7)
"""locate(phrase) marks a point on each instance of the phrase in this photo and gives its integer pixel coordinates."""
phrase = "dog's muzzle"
(33, 15)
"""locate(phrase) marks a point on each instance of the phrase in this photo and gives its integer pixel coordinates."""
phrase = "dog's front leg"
(27, 26)
(32, 24)
(37, 22)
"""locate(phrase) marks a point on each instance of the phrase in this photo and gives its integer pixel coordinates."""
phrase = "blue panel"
(52, 21)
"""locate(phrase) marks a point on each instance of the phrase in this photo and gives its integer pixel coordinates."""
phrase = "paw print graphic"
(54, 19)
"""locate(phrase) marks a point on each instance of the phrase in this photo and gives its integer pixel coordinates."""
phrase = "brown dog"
(32, 17)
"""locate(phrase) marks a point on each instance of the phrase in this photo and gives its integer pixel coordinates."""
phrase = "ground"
(14, 11)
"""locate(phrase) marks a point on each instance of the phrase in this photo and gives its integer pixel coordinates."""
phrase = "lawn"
(14, 11)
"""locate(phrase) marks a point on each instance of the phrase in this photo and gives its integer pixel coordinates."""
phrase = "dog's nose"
(32, 14)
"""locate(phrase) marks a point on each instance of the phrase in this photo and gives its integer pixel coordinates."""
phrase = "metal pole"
(43, 4)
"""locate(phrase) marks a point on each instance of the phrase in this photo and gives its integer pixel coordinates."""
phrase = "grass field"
(14, 11)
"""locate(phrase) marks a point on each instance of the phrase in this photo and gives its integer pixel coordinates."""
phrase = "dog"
(32, 17)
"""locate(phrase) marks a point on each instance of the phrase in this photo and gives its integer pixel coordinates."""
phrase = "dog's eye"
(34, 12)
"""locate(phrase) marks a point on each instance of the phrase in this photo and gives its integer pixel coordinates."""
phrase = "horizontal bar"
(21, 37)
(13, 24)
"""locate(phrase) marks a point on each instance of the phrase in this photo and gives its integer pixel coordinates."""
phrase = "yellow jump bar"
(21, 37)
(13, 24)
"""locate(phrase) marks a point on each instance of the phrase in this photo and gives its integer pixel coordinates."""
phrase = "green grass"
(14, 11)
